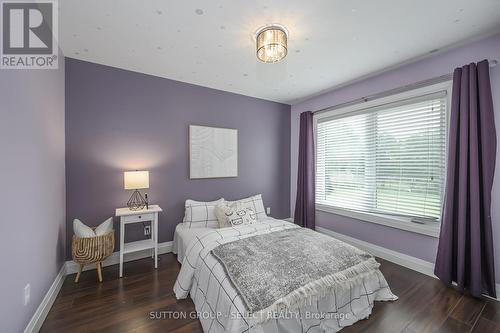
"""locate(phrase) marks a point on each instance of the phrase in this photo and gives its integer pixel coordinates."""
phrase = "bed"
(221, 306)
(183, 236)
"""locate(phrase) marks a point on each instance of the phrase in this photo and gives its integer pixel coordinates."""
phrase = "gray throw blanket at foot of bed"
(283, 269)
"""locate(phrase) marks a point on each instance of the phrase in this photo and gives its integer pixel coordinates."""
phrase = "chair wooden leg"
(99, 272)
(78, 274)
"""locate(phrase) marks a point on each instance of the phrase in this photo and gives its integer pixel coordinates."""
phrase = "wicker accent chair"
(92, 250)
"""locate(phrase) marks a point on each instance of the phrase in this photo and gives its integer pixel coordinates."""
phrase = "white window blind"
(388, 159)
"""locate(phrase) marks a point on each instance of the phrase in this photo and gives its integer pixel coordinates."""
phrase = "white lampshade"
(135, 180)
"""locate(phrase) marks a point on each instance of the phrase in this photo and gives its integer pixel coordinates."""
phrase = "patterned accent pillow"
(200, 214)
(231, 215)
(254, 202)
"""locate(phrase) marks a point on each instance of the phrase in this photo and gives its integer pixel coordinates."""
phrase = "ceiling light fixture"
(271, 43)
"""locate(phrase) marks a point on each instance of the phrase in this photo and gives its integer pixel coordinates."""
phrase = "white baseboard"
(416, 264)
(43, 309)
(114, 259)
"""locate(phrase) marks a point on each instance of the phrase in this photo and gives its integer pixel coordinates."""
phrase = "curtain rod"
(411, 86)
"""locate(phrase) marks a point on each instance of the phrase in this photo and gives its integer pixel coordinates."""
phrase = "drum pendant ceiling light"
(271, 43)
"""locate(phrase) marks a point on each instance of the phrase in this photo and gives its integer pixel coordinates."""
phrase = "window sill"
(388, 221)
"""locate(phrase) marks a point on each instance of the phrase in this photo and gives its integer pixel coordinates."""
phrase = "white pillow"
(83, 231)
(200, 214)
(254, 202)
(104, 228)
(230, 215)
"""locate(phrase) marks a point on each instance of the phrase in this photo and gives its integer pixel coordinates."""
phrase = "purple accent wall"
(420, 246)
(119, 120)
(32, 225)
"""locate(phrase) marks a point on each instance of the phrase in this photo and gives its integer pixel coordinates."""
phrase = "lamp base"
(136, 201)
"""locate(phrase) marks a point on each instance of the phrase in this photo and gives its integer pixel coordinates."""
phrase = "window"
(387, 159)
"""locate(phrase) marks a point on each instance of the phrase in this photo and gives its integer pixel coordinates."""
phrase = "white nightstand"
(128, 216)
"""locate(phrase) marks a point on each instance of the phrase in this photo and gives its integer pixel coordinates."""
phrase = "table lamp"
(136, 180)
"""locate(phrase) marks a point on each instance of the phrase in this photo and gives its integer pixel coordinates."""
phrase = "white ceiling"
(210, 43)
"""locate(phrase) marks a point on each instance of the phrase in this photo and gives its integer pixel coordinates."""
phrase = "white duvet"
(221, 309)
(183, 237)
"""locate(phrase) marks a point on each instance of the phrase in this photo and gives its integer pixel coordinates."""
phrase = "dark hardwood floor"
(124, 305)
